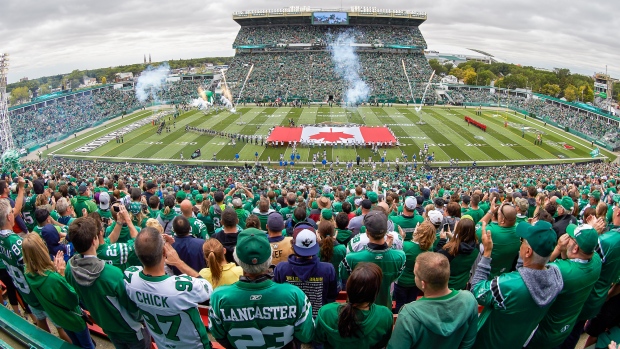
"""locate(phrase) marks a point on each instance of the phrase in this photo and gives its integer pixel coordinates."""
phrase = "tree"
(485, 77)
(586, 93)
(470, 76)
(437, 67)
(19, 95)
(458, 73)
(570, 93)
(104, 80)
(448, 66)
(43, 90)
(552, 90)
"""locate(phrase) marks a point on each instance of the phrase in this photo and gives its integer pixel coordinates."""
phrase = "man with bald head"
(199, 229)
(500, 220)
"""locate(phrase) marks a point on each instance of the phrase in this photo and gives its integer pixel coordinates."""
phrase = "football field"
(443, 129)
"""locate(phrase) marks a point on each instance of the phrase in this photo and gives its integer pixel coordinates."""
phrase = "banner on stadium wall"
(327, 134)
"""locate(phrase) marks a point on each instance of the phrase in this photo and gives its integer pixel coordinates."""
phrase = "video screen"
(330, 18)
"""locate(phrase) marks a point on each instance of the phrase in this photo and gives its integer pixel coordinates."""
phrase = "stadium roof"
(302, 15)
(455, 53)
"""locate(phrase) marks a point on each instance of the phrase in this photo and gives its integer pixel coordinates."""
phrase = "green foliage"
(19, 95)
(552, 90)
(570, 93)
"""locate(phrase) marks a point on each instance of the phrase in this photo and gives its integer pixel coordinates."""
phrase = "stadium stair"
(27, 333)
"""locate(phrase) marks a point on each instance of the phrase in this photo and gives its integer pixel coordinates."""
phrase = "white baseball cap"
(435, 217)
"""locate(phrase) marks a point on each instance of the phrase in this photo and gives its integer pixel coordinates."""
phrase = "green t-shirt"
(506, 246)
(476, 214)
(609, 251)
(391, 262)
(407, 223)
(375, 327)
(412, 250)
(579, 279)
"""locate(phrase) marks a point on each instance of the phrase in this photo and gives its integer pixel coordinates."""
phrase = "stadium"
(318, 109)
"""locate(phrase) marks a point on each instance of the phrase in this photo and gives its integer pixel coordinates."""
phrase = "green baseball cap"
(181, 195)
(566, 202)
(198, 197)
(596, 194)
(616, 198)
(540, 236)
(327, 214)
(585, 236)
(373, 197)
(253, 247)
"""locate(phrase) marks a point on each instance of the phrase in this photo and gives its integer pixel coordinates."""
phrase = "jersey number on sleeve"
(257, 337)
(153, 322)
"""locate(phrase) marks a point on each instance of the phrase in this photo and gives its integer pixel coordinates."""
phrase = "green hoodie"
(81, 202)
(58, 299)
(95, 280)
(375, 327)
(443, 322)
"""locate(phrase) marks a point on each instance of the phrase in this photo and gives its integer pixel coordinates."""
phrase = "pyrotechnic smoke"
(151, 81)
(347, 65)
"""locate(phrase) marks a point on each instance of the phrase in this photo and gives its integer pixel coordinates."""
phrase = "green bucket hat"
(596, 194)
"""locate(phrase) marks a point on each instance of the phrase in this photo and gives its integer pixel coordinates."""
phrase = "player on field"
(167, 303)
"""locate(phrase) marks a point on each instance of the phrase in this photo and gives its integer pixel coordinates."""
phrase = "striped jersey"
(169, 307)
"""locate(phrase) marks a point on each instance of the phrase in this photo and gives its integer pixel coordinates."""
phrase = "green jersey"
(287, 212)
(208, 222)
(107, 299)
(407, 223)
(260, 315)
(412, 250)
(124, 236)
(340, 251)
(199, 229)
(608, 249)
(242, 215)
(476, 214)
(169, 305)
(11, 255)
(391, 261)
(215, 212)
(506, 245)
(120, 254)
(28, 212)
(507, 300)
(579, 277)
(375, 327)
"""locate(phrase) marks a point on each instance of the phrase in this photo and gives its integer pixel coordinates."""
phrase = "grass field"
(447, 134)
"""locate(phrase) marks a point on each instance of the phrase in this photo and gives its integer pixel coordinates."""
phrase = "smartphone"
(116, 208)
(446, 226)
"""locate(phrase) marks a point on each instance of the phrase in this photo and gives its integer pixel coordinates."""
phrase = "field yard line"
(140, 113)
(307, 162)
(564, 134)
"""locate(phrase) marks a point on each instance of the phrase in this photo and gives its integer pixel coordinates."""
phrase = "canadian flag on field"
(330, 134)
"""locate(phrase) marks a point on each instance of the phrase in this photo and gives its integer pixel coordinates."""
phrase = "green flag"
(594, 153)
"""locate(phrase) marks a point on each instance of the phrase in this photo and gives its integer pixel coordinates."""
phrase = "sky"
(56, 37)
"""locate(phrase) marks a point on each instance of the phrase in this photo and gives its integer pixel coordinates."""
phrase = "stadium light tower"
(6, 137)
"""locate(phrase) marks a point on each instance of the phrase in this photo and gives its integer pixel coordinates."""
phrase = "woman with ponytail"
(218, 271)
(359, 323)
(166, 215)
(331, 251)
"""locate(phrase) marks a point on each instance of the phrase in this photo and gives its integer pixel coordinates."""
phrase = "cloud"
(46, 38)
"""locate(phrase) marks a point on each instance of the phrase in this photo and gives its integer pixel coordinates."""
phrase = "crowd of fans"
(33, 126)
(313, 34)
(315, 254)
(311, 75)
(574, 118)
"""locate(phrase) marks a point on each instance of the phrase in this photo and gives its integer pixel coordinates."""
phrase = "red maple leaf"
(331, 136)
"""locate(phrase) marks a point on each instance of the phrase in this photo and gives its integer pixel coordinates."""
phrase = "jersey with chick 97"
(169, 307)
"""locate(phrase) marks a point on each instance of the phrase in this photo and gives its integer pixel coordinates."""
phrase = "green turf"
(443, 129)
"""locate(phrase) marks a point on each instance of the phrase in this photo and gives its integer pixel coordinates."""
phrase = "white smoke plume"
(347, 65)
(151, 81)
